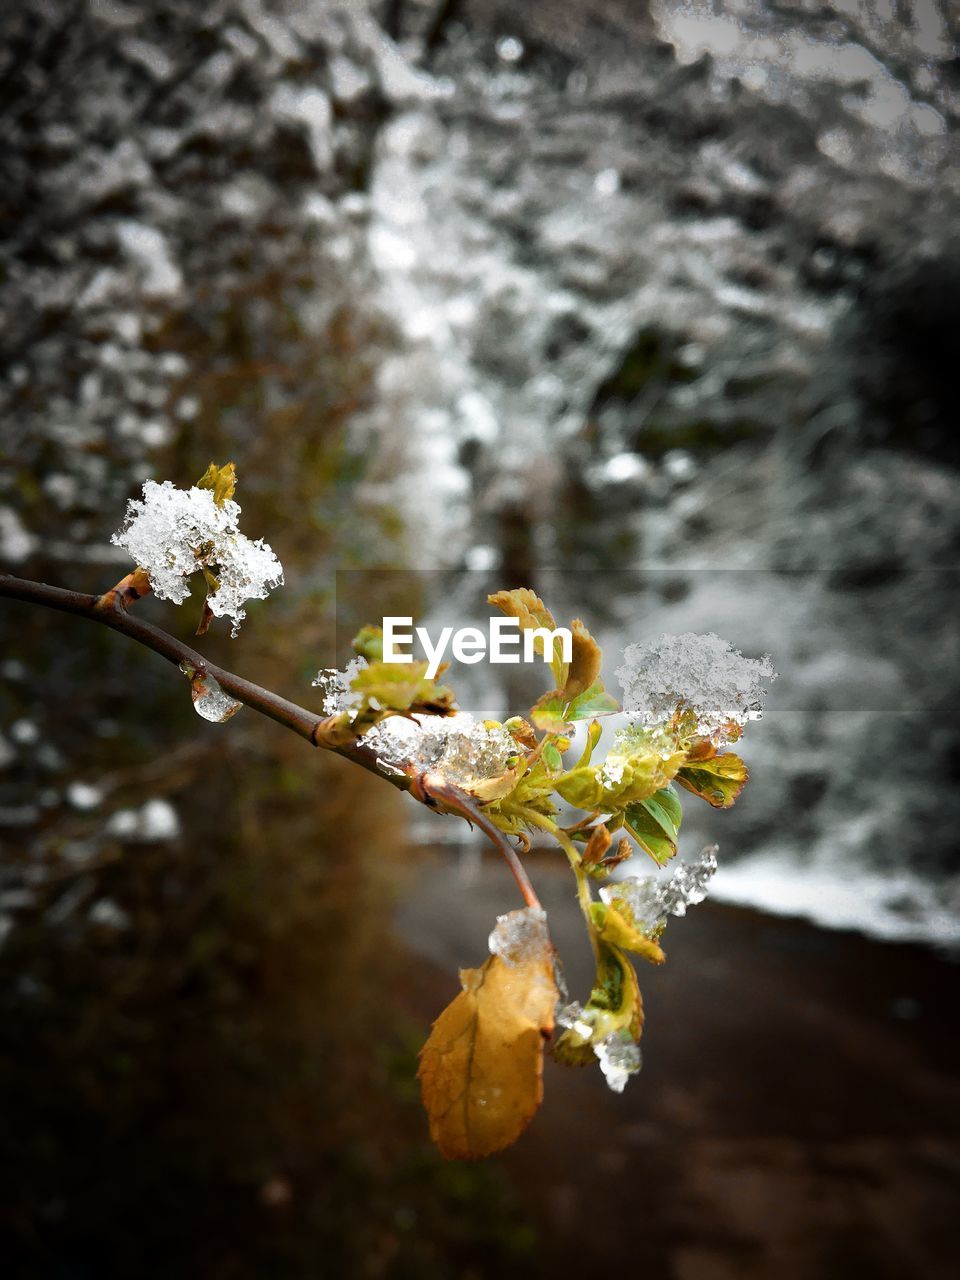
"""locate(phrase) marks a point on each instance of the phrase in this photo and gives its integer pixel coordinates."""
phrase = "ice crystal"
(701, 673)
(520, 935)
(337, 694)
(174, 532)
(574, 1017)
(619, 1059)
(457, 747)
(468, 752)
(617, 1052)
(649, 901)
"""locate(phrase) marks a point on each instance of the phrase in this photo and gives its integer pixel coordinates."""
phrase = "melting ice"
(209, 699)
(650, 900)
(458, 747)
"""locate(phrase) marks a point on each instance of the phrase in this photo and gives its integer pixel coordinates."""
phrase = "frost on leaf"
(640, 762)
(701, 674)
(520, 935)
(481, 1068)
(172, 533)
(465, 752)
(608, 1027)
(209, 700)
(337, 694)
(619, 1059)
(647, 902)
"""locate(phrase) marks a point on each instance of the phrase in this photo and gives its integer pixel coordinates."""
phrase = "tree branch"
(433, 787)
(110, 610)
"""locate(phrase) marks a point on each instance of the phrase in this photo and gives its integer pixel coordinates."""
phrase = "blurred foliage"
(199, 1032)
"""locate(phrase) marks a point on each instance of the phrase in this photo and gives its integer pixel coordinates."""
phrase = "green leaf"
(617, 928)
(396, 686)
(368, 643)
(581, 788)
(718, 781)
(655, 823)
(547, 713)
(627, 776)
(222, 480)
(614, 1006)
(552, 757)
(592, 702)
(594, 731)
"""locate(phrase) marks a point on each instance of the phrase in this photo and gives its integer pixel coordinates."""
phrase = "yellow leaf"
(615, 1006)
(524, 604)
(616, 927)
(481, 1069)
(584, 663)
(222, 480)
(532, 614)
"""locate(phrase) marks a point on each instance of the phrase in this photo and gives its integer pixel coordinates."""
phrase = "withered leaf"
(481, 1068)
(584, 662)
(597, 846)
(532, 614)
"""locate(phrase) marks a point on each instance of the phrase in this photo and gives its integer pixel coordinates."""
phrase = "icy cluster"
(458, 747)
(619, 1059)
(630, 742)
(520, 935)
(618, 1054)
(174, 532)
(337, 694)
(469, 752)
(649, 900)
(700, 672)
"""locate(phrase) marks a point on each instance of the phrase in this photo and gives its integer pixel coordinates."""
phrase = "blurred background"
(650, 306)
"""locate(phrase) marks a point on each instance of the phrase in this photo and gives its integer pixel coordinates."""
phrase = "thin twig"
(109, 610)
(434, 787)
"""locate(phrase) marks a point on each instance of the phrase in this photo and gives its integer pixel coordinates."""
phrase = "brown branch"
(109, 610)
(434, 790)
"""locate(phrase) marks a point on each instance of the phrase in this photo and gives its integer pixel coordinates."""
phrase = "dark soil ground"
(797, 1116)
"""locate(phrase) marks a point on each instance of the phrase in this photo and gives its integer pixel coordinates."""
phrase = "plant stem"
(110, 611)
(452, 798)
(540, 820)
